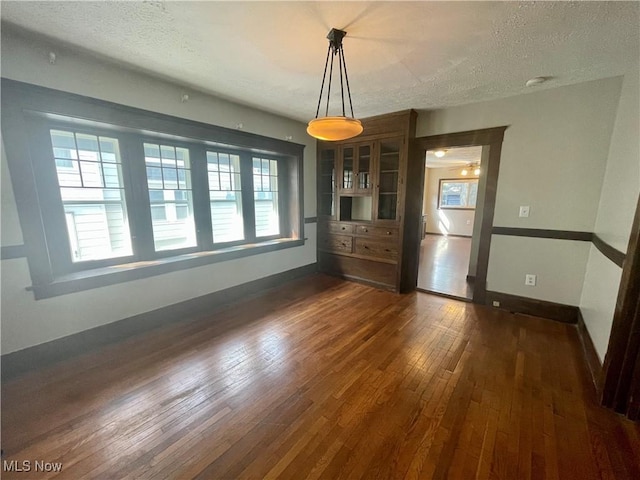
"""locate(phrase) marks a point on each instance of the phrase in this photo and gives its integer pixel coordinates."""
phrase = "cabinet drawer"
(378, 231)
(340, 227)
(336, 243)
(364, 246)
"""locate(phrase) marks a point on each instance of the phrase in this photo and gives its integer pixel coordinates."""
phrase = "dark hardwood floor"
(325, 379)
(444, 264)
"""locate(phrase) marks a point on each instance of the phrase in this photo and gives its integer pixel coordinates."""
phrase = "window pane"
(91, 174)
(225, 197)
(111, 175)
(458, 193)
(171, 209)
(265, 194)
(151, 150)
(68, 173)
(158, 212)
(96, 217)
(473, 194)
(109, 149)
(170, 177)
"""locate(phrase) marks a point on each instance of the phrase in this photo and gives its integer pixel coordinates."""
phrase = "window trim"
(455, 180)
(23, 104)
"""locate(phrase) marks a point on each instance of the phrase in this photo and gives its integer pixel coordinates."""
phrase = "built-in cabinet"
(361, 194)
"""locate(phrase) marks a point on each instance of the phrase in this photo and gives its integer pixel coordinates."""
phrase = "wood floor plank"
(324, 379)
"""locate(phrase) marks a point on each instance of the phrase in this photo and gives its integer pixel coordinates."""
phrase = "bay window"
(108, 193)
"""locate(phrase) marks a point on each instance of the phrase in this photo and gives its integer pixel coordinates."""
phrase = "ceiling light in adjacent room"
(335, 128)
(476, 171)
(440, 153)
(464, 172)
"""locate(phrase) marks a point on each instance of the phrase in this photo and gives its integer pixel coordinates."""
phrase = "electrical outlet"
(524, 211)
(530, 279)
(468, 222)
(496, 303)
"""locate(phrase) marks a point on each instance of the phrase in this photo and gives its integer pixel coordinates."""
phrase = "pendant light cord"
(324, 75)
(340, 62)
(346, 77)
(339, 51)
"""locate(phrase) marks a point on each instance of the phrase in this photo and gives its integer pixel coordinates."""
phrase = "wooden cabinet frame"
(373, 251)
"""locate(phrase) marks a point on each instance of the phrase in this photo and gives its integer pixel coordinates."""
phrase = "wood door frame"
(620, 381)
(490, 138)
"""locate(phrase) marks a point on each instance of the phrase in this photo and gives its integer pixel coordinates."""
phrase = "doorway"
(490, 140)
(450, 195)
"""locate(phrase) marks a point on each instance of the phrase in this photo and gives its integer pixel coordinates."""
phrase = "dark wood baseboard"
(45, 354)
(531, 306)
(446, 295)
(590, 354)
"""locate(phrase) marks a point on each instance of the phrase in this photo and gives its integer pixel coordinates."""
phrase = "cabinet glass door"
(389, 171)
(363, 174)
(327, 183)
(347, 167)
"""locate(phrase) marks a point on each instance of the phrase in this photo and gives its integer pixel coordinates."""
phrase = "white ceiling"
(454, 157)
(400, 55)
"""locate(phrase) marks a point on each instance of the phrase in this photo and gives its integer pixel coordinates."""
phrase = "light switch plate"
(524, 211)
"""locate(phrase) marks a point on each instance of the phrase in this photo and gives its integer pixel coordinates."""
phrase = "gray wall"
(615, 215)
(26, 322)
(553, 159)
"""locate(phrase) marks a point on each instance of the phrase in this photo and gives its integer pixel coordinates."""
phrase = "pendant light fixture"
(336, 127)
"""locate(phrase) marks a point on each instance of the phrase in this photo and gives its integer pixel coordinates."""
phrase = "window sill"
(101, 277)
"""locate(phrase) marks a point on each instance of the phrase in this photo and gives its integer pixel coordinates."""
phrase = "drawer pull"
(344, 228)
(387, 250)
(366, 229)
(388, 233)
(366, 247)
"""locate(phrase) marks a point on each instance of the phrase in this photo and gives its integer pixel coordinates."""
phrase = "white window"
(225, 197)
(89, 171)
(265, 195)
(170, 196)
(458, 194)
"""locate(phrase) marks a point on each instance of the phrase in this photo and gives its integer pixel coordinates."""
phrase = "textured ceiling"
(400, 55)
(454, 157)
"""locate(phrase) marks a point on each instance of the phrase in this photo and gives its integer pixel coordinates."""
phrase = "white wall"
(558, 264)
(598, 299)
(450, 221)
(565, 131)
(615, 214)
(26, 322)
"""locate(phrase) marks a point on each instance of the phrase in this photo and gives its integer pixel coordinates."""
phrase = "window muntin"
(265, 197)
(458, 194)
(89, 173)
(225, 197)
(170, 196)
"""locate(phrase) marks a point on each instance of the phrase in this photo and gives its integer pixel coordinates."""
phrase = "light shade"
(334, 128)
